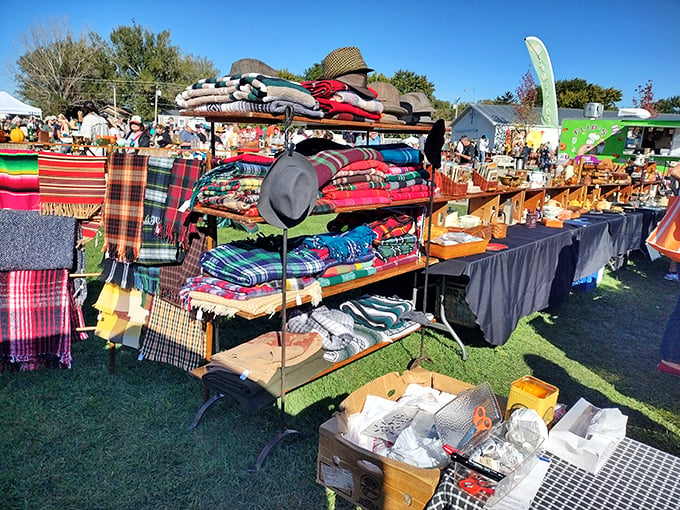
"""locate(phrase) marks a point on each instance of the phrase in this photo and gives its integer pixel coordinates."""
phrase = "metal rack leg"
(445, 322)
(201, 411)
(269, 446)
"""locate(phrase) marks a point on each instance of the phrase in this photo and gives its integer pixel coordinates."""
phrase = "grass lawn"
(87, 438)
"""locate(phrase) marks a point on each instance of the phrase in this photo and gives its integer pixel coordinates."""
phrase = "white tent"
(10, 105)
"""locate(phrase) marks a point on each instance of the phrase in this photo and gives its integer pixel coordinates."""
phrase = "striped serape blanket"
(328, 162)
(19, 185)
(327, 281)
(71, 185)
(378, 312)
(277, 107)
(37, 319)
(173, 337)
(124, 206)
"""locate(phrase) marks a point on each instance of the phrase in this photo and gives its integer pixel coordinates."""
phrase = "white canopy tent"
(10, 105)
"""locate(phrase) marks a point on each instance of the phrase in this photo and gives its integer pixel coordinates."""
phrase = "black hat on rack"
(289, 191)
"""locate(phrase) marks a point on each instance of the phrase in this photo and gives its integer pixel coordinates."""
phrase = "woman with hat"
(138, 136)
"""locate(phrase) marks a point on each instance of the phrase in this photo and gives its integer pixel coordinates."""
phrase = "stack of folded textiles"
(340, 101)
(233, 185)
(249, 92)
(396, 241)
(247, 276)
(405, 177)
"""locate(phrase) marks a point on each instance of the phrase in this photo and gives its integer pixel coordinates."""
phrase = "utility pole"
(155, 106)
(115, 108)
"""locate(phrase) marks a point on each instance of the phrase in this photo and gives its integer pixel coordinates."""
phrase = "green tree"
(506, 98)
(146, 62)
(668, 105)
(576, 93)
(408, 81)
(59, 69)
(314, 72)
(287, 75)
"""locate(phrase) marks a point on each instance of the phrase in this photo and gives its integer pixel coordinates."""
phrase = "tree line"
(59, 69)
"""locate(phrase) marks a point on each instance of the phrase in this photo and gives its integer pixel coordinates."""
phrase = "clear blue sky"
(471, 50)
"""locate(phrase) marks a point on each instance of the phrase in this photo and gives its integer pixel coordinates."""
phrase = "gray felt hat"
(289, 191)
(252, 65)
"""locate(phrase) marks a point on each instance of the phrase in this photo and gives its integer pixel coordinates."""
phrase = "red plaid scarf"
(36, 312)
(175, 226)
(124, 206)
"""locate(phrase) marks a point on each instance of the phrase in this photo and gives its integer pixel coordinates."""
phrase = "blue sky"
(471, 50)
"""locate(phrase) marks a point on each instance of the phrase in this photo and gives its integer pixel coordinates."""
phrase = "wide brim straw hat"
(388, 95)
(252, 65)
(289, 191)
(343, 61)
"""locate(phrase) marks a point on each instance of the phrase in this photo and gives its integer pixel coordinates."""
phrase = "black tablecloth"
(636, 476)
(538, 268)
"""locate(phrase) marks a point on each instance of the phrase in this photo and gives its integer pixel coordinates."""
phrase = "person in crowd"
(670, 344)
(201, 133)
(162, 136)
(93, 127)
(374, 138)
(465, 151)
(188, 136)
(360, 140)
(672, 273)
(348, 137)
(232, 137)
(276, 139)
(482, 148)
(138, 137)
(17, 135)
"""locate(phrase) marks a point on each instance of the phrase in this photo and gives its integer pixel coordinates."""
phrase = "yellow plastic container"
(532, 393)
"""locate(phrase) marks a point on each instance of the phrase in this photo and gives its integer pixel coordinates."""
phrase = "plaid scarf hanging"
(175, 226)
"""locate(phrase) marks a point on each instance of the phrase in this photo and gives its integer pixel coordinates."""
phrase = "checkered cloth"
(636, 476)
(172, 336)
(175, 226)
(335, 327)
(247, 264)
(71, 184)
(124, 206)
(173, 278)
(392, 226)
(154, 250)
(37, 319)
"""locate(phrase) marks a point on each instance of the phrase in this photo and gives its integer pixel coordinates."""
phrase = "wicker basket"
(457, 250)
(483, 184)
(499, 228)
(449, 187)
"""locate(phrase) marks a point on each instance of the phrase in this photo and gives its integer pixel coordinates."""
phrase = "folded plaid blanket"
(399, 154)
(19, 184)
(154, 250)
(263, 305)
(360, 193)
(327, 281)
(346, 268)
(247, 264)
(396, 247)
(395, 262)
(33, 241)
(124, 206)
(352, 186)
(327, 163)
(424, 174)
(70, 184)
(228, 290)
(36, 318)
(417, 184)
(326, 88)
(276, 107)
(398, 195)
(378, 312)
(360, 201)
(392, 226)
(173, 337)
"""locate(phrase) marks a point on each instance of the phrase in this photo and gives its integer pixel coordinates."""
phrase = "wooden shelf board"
(269, 118)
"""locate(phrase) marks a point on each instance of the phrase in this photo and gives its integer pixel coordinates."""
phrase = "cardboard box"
(363, 477)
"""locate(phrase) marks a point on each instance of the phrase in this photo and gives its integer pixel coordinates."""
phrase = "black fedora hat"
(289, 191)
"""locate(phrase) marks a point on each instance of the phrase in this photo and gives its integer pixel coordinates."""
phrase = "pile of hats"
(418, 108)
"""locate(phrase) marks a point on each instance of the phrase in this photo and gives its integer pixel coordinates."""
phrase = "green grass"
(87, 438)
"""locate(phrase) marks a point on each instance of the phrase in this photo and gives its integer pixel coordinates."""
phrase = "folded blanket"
(247, 264)
(334, 327)
(124, 206)
(346, 268)
(334, 107)
(19, 183)
(378, 312)
(276, 107)
(392, 226)
(417, 184)
(360, 193)
(264, 305)
(326, 88)
(399, 154)
(352, 186)
(398, 195)
(350, 246)
(71, 185)
(32, 241)
(357, 202)
(327, 163)
(390, 177)
(346, 277)
(362, 339)
(222, 288)
(354, 99)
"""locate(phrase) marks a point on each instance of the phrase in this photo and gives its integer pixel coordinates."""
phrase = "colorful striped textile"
(124, 206)
(363, 339)
(396, 247)
(19, 184)
(32, 241)
(37, 319)
(346, 268)
(392, 226)
(399, 154)
(327, 163)
(359, 201)
(228, 290)
(378, 312)
(346, 277)
(70, 184)
(154, 250)
(175, 226)
(247, 264)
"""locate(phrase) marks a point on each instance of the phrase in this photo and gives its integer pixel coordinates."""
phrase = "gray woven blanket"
(32, 241)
